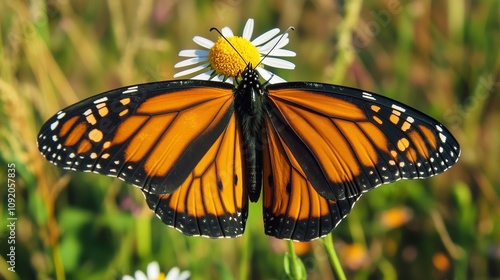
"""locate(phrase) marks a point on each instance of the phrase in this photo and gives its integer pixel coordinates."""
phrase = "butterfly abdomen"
(249, 103)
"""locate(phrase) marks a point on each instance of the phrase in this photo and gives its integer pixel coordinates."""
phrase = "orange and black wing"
(211, 202)
(168, 138)
(325, 145)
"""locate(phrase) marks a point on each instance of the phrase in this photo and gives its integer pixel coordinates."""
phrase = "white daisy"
(153, 273)
(221, 62)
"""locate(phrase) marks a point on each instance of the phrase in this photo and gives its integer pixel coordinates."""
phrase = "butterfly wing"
(212, 201)
(325, 145)
(158, 136)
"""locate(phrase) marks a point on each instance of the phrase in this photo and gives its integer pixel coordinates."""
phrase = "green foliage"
(438, 56)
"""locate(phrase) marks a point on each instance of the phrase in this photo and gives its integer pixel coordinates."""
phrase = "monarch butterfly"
(199, 150)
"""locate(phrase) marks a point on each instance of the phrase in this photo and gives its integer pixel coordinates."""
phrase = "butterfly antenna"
(281, 37)
(220, 33)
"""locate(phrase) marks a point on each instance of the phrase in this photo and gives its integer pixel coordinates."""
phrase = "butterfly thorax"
(249, 104)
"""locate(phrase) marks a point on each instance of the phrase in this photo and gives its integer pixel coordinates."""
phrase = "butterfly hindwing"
(293, 209)
(212, 201)
(343, 142)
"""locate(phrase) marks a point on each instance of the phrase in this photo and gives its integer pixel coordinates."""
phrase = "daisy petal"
(266, 75)
(204, 42)
(192, 70)
(217, 78)
(173, 274)
(265, 37)
(248, 30)
(282, 52)
(270, 77)
(127, 277)
(184, 275)
(277, 80)
(139, 275)
(193, 53)
(190, 61)
(278, 63)
(227, 32)
(275, 43)
(153, 270)
(222, 78)
(203, 76)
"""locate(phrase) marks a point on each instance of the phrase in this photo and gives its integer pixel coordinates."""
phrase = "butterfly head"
(250, 91)
(250, 75)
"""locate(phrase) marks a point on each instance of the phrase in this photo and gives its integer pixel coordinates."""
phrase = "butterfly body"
(199, 150)
(249, 104)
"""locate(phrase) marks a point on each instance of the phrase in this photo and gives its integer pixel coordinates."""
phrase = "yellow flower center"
(226, 61)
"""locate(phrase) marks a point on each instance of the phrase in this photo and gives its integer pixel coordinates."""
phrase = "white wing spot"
(442, 137)
(368, 96)
(88, 112)
(54, 125)
(399, 108)
(61, 115)
(100, 100)
(130, 90)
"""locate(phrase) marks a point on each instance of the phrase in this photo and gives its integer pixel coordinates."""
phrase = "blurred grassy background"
(438, 56)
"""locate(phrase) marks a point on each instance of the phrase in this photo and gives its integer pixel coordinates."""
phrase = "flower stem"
(328, 243)
(294, 267)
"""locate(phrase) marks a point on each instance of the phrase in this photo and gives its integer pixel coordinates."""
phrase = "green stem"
(293, 258)
(293, 265)
(243, 274)
(58, 264)
(334, 259)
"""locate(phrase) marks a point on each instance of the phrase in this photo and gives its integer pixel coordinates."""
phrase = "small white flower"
(224, 64)
(153, 273)
(176, 274)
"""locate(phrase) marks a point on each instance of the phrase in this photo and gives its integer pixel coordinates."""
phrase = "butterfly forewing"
(149, 135)
(346, 142)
